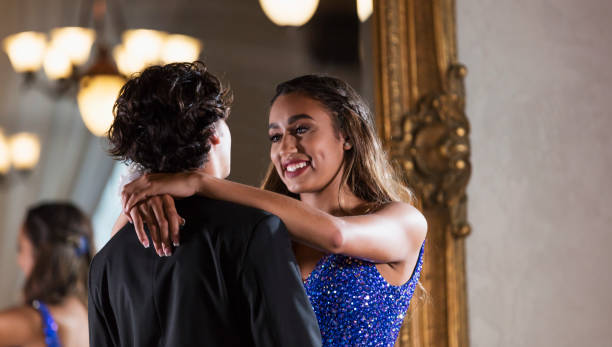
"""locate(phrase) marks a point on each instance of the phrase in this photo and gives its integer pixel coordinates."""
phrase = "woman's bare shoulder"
(71, 316)
(22, 314)
(19, 325)
(401, 209)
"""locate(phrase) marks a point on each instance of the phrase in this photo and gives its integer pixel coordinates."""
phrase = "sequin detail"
(49, 325)
(354, 304)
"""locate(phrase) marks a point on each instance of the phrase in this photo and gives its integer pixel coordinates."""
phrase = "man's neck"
(212, 167)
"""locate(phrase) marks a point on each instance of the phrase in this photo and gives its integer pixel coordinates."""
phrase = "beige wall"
(540, 104)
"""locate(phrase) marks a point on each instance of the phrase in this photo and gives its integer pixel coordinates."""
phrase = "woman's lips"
(296, 168)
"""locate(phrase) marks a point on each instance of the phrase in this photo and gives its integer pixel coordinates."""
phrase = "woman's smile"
(306, 147)
(294, 168)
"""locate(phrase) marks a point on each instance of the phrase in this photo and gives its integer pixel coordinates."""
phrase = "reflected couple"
(225, 266)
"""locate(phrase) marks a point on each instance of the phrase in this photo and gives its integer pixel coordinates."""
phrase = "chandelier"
(63, 55)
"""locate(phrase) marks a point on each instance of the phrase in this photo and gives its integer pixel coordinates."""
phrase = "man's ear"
(214, 139)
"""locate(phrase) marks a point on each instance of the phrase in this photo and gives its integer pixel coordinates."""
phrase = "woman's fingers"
(132, 193)
(174, 220)
(158, 212)
(139, 227)
(135, 198)
(153, 231)
(156, 205)
(127, 214)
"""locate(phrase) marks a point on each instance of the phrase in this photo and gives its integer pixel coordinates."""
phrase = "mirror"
(240, 44)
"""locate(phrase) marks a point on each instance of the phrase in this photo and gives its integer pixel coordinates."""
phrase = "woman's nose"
(288, 144)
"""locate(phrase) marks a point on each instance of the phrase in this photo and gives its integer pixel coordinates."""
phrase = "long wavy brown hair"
(62, 240)
(367, 170)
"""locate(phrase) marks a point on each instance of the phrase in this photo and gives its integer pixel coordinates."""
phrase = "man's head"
(171, 118)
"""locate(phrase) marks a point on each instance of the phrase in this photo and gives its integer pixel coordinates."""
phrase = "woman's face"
(306, 150)
(25, 253)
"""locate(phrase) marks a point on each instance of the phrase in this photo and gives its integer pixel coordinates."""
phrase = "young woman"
(359, 241)
(54, 252)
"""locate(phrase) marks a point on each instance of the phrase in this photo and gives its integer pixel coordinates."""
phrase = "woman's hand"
(178, 185)
(163, 222)
(148, 200)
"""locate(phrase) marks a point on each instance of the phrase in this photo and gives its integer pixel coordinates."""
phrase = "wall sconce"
(21, 151)
(5, 155)
(63, 57)
(25, 151)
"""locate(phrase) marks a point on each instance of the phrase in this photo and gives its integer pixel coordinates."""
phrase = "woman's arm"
(19, 326)
(121, 221)
(392, 234)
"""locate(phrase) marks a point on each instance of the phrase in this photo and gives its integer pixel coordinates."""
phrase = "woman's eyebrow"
(291, 120)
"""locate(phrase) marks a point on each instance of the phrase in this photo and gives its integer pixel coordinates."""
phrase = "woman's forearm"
(304, 223)
(122, 220)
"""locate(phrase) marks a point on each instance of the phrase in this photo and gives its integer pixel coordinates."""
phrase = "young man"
(233, 280)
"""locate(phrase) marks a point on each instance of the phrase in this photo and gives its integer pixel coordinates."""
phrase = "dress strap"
(49, 326)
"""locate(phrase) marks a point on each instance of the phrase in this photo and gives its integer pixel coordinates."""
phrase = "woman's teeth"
(294, 167)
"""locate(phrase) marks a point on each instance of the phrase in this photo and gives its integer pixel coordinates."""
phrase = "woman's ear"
(347, 144)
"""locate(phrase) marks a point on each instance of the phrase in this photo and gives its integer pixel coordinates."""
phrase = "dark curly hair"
(62, 239)
(165, 116)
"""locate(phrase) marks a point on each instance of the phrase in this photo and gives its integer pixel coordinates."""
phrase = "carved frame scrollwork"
(434, 149)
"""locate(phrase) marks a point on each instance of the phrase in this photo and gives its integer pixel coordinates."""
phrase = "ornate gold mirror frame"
(420, 103)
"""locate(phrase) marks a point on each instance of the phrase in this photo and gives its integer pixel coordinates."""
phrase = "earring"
(347, 146)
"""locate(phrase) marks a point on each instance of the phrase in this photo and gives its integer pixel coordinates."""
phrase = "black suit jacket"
(233, 281)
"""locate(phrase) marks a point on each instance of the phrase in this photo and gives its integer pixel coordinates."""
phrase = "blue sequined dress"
(354, 304)
(49, 326)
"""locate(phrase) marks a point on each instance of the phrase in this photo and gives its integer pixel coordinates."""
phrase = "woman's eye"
(301, 129)
(275, 138)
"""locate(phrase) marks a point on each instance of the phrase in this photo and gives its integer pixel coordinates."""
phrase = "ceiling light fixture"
(63, 55)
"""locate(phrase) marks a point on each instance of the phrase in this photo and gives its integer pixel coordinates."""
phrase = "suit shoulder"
(123, 241)
(224, 210)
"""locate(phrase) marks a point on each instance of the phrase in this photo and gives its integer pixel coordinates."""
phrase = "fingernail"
(168, 252)
(175, 244)
(146, 244)
(183, 221)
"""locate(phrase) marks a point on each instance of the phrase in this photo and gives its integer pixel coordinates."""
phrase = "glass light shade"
(96, 98)
(144, 45)
(126, 63)
(5, 155)
(289, 12)
(180, 48)
(56, 63)
(26, 50)
(25, 150)
(75, 42)
(364, 9)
